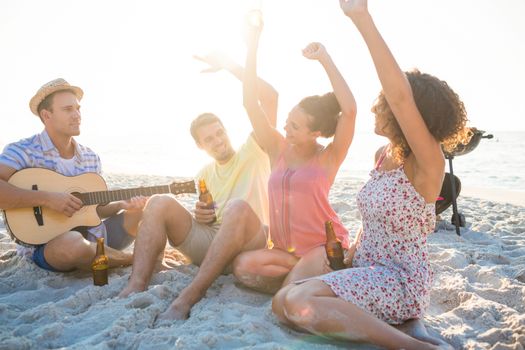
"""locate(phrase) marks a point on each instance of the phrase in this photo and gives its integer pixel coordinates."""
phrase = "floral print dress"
(391, 276)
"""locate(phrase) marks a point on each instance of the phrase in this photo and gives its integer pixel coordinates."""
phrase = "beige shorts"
(199, 239)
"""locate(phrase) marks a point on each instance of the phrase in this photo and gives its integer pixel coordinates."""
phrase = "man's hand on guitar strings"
(64, 203)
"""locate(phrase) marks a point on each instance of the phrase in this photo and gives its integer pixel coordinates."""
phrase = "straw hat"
(49, 88)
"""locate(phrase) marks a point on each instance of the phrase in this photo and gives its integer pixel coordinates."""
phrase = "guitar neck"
(104, 197)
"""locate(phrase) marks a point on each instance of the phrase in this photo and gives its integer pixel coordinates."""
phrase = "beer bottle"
(100, 265)
(334, 249)
(205, 197)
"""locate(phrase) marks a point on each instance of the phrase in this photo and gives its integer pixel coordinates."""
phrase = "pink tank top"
(299, 207)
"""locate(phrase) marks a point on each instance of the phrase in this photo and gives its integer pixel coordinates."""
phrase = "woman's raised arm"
(396, 89)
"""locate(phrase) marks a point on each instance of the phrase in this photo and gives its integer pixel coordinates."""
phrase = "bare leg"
(71, 251)
(163, 216)
(310, 265)
(240, 229)
(416, 329)
(263, 270)
(268, 270)
(313, 307)
(131, 221)
(278, 306)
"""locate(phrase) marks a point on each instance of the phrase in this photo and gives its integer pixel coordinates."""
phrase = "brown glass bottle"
(334, 249)
(100, 265)
(205, 197)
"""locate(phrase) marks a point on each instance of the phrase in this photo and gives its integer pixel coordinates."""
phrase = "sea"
(496, 163)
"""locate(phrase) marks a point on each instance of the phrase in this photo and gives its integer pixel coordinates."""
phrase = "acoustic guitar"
(39, 225)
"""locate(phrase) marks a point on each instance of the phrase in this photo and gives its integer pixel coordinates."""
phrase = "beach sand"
(477, 300)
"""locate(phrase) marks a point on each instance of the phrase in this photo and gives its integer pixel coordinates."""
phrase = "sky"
(133, 59)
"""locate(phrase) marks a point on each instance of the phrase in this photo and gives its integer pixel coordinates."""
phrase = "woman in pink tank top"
(302, 173)
(389, 278)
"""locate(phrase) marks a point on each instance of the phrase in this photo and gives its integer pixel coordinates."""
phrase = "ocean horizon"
(497, 163)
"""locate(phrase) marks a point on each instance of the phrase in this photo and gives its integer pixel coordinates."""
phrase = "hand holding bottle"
(203, 214)
(205, 207)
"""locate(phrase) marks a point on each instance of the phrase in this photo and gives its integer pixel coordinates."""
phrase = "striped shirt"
(38, 151)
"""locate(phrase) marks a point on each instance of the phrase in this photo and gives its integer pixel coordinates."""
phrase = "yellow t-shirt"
(245, 177)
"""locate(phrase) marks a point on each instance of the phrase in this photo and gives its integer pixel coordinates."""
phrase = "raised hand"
(254, 19)
(64, 203)
(254, 24)
(354, 7)
(315, 51)
(215, 60)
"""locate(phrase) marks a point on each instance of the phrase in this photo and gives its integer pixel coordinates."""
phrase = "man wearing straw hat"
(56, 103)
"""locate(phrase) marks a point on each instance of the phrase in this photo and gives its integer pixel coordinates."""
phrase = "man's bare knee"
(72, 239)
(164, 205)
(162, 208)
(242, 224)
(68, 249)
(164, 217)
(77, 244)
(237, 209)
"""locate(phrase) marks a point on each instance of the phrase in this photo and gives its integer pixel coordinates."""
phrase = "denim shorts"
(117, 238)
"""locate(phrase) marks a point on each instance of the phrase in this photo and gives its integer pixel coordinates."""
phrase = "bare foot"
(180, 307)
(128, 260)
(131, 288)
(416, 329)
(175, 311)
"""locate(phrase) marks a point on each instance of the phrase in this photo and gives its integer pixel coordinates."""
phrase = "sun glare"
(220, 28)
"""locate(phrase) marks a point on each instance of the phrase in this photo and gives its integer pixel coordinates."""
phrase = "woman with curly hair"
(389, 276)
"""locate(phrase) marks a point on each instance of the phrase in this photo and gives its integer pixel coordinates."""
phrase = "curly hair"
(324, 111)
(441, 108)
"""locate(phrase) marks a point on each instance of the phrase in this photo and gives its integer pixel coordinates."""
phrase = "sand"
(478, 296)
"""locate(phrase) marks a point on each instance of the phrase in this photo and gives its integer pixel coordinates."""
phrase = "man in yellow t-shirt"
(244, 175)
(211, 238)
